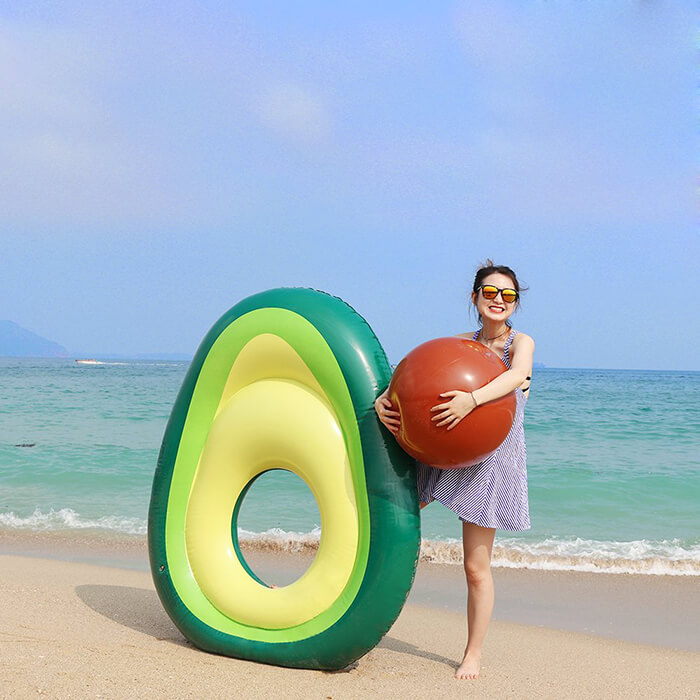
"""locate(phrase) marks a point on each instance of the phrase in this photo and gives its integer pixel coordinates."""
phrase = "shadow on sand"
(137, 608)
(141, 610)
(402, 647)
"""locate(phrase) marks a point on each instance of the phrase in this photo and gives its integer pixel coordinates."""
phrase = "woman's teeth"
(495, 308)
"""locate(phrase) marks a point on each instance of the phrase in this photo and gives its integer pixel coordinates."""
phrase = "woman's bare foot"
(470, 667)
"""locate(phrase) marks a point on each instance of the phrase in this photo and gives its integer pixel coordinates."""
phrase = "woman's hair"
(488, 268)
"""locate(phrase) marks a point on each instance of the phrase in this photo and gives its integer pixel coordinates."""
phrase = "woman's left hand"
(461, 404)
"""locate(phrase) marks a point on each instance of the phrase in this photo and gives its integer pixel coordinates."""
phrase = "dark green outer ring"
(389, 475)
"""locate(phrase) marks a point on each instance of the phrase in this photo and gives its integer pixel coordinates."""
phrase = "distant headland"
(16, 341)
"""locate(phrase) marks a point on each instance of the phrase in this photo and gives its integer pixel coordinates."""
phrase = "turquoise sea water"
(613, 463)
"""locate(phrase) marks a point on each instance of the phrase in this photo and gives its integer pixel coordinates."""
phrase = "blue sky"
(160, 163)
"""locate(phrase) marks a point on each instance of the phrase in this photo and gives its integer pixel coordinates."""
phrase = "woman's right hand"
(390, 418)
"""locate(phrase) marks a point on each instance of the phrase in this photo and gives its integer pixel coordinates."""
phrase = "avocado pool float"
(284, 380)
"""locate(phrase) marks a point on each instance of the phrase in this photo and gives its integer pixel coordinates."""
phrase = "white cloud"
(497, 39)
(295, 113)
(576, 109)
(534, 113)
(60, 157)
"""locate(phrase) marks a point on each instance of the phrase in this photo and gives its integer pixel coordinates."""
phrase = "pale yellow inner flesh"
(264, 422)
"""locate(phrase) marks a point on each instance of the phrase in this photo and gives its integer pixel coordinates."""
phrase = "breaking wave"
(663, 557)
(68, 519)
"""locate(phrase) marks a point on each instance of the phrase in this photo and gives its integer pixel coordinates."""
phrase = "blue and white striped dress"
(492, 493)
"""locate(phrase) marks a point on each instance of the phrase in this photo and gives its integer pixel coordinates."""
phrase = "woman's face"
(494, 310)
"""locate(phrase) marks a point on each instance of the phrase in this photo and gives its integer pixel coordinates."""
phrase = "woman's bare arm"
(522, 350)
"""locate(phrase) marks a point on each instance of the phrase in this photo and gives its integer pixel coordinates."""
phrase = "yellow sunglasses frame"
(506, 289)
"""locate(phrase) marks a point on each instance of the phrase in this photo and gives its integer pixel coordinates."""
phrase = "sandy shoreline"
(606, 605)
(71, 629)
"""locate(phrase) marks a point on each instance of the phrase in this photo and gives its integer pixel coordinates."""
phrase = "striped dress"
(492, 493)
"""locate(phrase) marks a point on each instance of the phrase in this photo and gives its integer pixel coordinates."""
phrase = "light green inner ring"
(311, 346)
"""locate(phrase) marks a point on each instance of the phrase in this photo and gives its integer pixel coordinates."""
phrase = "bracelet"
(471, 393)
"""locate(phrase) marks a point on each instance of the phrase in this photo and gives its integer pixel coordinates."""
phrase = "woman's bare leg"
(478, 545)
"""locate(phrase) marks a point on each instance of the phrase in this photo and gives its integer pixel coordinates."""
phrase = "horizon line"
(184, 357)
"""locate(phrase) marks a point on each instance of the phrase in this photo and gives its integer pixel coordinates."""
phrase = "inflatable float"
(286, 379)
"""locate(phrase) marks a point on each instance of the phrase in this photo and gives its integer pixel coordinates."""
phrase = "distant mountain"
(539, 365)
(16, 341)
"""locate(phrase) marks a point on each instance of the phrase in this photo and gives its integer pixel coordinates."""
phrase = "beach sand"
(73, 629)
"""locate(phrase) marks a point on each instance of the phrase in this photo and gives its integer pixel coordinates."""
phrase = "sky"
(162, 161)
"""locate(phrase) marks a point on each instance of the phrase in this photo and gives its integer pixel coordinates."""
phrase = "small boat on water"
(88, 362)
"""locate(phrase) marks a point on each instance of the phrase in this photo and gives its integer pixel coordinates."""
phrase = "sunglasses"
(488, 291)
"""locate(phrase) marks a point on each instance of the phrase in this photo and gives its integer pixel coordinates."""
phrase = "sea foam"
(68, 519)
(665, 557)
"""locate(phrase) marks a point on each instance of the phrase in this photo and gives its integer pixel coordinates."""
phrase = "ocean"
(613, 465)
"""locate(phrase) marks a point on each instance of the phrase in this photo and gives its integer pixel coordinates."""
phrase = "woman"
(493, 493)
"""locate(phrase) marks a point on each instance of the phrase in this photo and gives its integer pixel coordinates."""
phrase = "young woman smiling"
(492, 494)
